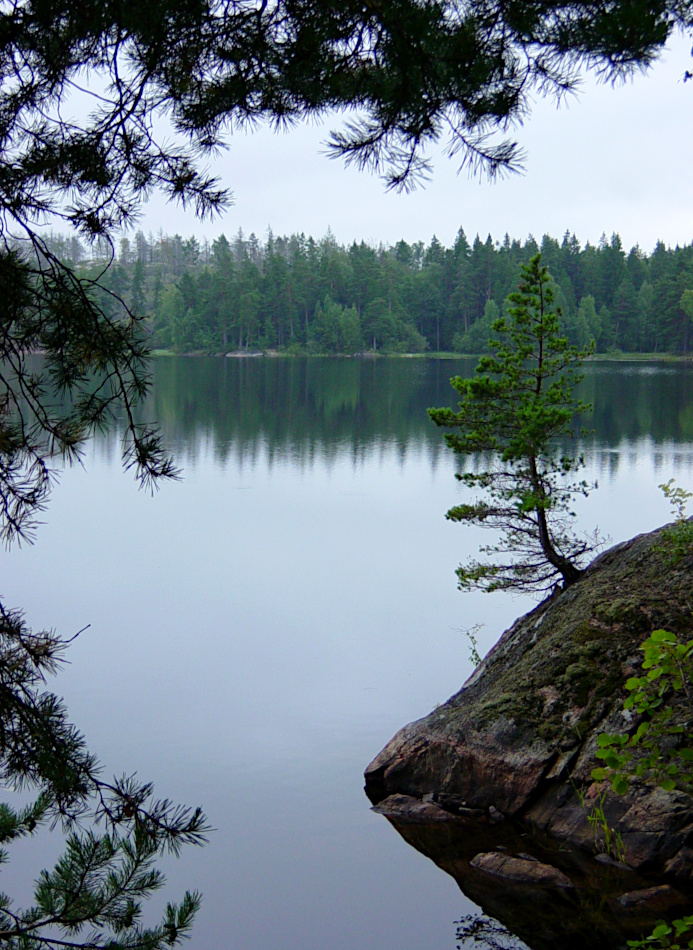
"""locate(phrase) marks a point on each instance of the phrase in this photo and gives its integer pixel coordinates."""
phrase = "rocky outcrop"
(519, 739)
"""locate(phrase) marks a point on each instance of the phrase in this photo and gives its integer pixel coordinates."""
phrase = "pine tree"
(114, 831)
(511, 415)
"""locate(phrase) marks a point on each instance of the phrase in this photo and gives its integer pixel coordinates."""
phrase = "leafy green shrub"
(677, 539)
(664, 756)
(669, 669)
(664, 934)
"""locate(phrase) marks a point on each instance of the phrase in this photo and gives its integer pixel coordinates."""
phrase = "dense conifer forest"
(300, 295)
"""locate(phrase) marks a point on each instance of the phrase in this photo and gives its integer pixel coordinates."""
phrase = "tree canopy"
(407, 71)
(266, 295)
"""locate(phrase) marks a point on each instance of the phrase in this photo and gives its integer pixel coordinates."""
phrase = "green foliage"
(607, 839)
(588, 321)
(673, 936)
(677, 497)
(511, 413)
(115, 831)
(677, 539)
(404, 304)
(475, 657)
(477, 338)
(657, 751)
(336, 329)
(686, 302)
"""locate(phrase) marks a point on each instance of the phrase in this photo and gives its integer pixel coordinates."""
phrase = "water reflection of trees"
(632, 403)
(350, 408)
(485, 933)
(296, 408)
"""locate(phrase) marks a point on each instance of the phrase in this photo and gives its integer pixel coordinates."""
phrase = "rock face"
(520, 737)
(520, 870)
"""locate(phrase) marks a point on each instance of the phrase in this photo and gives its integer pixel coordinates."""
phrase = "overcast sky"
(614, 159)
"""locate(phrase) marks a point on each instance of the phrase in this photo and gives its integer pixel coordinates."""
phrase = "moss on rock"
(553, 681)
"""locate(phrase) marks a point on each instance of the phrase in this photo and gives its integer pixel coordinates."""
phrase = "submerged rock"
(659, 899)
(495, 866)
(520, 870)
(520, 737)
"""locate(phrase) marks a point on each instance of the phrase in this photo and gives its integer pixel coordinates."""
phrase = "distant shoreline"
(370, 355)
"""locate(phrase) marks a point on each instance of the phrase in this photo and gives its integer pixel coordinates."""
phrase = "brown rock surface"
(658, 899)
(407, 808)
(520, 870)
(520, 736)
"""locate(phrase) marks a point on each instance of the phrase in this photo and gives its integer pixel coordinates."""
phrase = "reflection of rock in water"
(544, 893)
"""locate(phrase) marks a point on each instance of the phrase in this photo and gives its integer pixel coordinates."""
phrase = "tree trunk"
(568, 571)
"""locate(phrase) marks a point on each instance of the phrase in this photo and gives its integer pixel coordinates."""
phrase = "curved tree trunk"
(569, 572)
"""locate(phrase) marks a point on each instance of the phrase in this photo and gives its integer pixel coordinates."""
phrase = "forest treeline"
(301, 295)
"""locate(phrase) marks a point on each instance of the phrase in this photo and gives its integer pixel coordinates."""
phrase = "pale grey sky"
(614, 159)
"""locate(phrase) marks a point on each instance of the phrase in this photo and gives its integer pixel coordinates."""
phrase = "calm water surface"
(260, 629)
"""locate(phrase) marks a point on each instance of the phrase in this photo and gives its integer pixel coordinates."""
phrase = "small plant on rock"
(607, 839)
(677, 539)
(475, 657)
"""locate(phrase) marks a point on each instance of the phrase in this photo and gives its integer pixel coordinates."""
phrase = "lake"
(260, 629)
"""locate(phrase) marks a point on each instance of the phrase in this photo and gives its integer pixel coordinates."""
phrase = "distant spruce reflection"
(296, 407)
